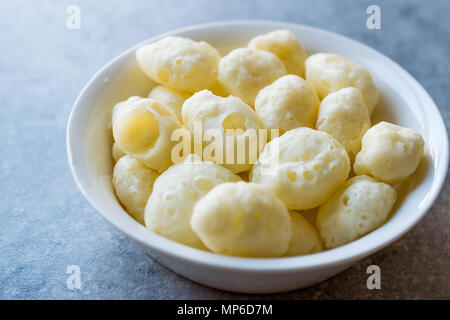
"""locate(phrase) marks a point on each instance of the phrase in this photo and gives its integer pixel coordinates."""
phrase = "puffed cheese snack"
(220, 113)
(285, 45)
(288, 103)
(359, 207)
(180, 63)
(176, 191)
(389, 153)
(243, 72)
(133, 182)
(242, 219)
(328, 72)
(344, 115)
(142, 128)
(305, 238)
(172, 98)
(303, 167)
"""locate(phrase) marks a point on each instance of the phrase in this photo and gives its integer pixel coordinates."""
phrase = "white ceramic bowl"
(403, 101)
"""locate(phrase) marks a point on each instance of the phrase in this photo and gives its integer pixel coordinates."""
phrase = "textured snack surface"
(175, 193)
(142, 128)
(133, 183)
(303, 167)
(343, 114)
(180, 63)
(242, 219)
(233, 120)
(359, 207)
(285, 45)
(244, 72)
(389, 153)
(288, 103)
(328, 72)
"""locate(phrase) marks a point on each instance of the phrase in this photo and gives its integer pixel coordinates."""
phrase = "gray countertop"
(47, 225)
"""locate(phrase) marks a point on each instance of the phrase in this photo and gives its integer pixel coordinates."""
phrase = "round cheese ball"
(172, 98)
(288, 103)
(389, 153)
(358, 207)
(242, 219)
(305, 239)
(285, 45)
(230, 118)
(142, 128)
(133, 183)
(116, 152)
(243, 72)
(328, 72)
(303, 167)
(180, 63)
(343, 114)
(175, 193)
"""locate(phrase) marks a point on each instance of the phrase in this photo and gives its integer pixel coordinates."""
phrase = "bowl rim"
(353, 251)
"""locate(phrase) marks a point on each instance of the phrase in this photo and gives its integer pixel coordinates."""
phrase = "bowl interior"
(403, 101)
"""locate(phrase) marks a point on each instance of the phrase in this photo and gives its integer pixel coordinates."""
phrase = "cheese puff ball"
(305, 239)
(224, 114)
(285, 45)
(329, 72)
(288, 103)
(172, 98)
(180, 63)
(116, 152)
(176, 191)
(242, 219)
(243, 72)
(142, 128)
(343, 114)
(357, 208)
(133, 182)
(389, 153)
(303, 167)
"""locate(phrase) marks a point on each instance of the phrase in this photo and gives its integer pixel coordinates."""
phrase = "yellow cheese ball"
(343, 114)
(285, 45)
(242, 219)
(328, 72)
(175, 193)
(243, 72)
(303, 167)
(142, 128)
(214, 112)
(133, 183)
(389, 153)
(180, 63)
(357, 208)
(116, 152)
(172, 98)
(305, 238)
(288, 103)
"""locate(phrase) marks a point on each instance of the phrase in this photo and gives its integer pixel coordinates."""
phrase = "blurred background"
(45, 223)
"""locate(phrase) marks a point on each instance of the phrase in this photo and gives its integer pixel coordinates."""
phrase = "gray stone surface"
(47, 225)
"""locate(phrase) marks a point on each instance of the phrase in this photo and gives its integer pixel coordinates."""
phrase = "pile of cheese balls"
(321, 105)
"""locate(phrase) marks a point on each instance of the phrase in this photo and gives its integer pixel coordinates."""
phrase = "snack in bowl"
(231, 118)
(318, 126)
(243, 219)
(285, 45)
(288, 103)
(328, 72)
(302, 167)
(243, 72)
(180, 63)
